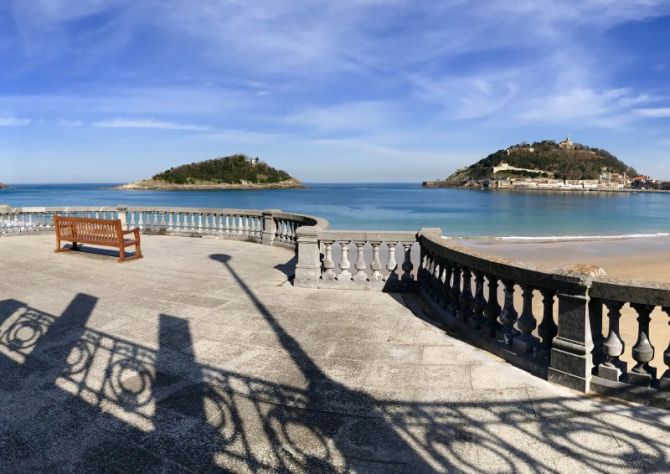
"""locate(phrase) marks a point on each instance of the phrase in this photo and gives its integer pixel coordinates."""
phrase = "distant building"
(567, 143)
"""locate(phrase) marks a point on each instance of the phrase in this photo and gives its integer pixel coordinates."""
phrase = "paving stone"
(181, 363)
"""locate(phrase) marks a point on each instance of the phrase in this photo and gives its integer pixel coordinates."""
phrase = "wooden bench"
(104, 232)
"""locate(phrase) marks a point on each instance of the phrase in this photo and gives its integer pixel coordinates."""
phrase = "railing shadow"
(77, 399)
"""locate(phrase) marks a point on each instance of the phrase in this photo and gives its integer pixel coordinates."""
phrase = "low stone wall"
(269, 227)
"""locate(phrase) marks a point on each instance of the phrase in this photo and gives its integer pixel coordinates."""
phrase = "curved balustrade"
(271, 227)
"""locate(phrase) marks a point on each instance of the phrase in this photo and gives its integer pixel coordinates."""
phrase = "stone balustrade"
(27, 220)
(270, 227)
(613, 375)
(362, 259)
(549, 322)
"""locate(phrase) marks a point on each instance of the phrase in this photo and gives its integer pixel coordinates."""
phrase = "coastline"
(521, 189)
(151, 185)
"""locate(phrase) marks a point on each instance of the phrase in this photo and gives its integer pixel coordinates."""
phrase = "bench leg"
(58, 247)
(138, 250)
(75, 246)
(122, 255)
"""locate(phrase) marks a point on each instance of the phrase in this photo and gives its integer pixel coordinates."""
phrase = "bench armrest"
(135, 231)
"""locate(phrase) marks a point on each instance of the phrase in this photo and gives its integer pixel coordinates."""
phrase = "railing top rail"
(367, 235)
(570, 280)
(20, 210)
(631, 291)
(201, 210)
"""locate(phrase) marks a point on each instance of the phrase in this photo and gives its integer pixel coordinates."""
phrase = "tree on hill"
(230, 170)
(576, 162)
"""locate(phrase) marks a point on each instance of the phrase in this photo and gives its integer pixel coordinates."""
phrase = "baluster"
(170, 221)
(664, 383)
(436, 281)
(479, 303)
(465, 298)
(445, 286)
(226, 225)
(361, 265)
(526, 323)
(162, 222)
(643, 352)
(425, 272)
(391, 264)
(508, 314)
(612, 368)
(407, 263)
(140, 222)
(455, 292)
(376, 264)
(345, 265)
(284, 233)
(199, 221)
(547, 328)
(328, 263)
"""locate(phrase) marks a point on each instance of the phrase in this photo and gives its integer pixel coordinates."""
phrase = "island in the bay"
(230, 172)
(549, 165)
(3, 186)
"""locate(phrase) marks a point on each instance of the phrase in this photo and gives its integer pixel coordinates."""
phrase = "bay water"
(400, 206)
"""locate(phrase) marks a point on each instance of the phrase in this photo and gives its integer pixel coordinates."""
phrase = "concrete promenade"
(202, 357)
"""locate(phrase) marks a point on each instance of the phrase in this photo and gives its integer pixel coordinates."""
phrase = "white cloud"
(14, 122)
(658, 112)
(146, 123)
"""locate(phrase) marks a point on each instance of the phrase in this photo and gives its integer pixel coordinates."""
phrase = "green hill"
(229, 170)
(547, 158)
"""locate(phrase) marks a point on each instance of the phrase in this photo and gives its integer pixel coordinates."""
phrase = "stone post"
(308, 269)
(571, 363)
(269, 226)
(121, 211)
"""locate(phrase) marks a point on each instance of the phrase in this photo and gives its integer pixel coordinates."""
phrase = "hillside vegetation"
(575, 162)
(228, 170)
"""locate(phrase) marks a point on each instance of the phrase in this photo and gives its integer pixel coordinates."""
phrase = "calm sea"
(399, 207)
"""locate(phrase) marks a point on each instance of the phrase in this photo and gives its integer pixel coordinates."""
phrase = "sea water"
(458, 212)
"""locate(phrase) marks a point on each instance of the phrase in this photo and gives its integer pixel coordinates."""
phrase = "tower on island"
(567, 143)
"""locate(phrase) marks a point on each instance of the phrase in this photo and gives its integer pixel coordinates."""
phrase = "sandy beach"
(638, 258)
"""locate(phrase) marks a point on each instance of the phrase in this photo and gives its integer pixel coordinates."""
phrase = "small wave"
(561, 238)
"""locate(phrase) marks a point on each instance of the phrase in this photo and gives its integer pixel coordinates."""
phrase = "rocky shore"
(3, 186)
(151, 184)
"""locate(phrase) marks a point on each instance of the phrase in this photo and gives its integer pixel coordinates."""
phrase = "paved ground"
(201, 357)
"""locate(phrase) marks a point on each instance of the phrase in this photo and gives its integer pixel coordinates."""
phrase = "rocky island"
(230, 172)
(3, 186)
(547, 165)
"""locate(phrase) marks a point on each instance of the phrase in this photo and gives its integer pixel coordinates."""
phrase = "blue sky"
(360, 90)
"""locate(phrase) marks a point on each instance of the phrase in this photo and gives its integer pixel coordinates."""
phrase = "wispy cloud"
(147, 123)
(14, 122)
(659, 112)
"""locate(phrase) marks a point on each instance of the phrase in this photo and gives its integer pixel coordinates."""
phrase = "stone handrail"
(547, 321)
(270, 227)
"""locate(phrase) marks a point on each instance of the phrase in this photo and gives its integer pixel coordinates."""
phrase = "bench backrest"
(88, 229)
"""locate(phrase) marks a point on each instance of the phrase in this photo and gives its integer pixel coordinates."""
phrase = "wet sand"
(645, 259)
